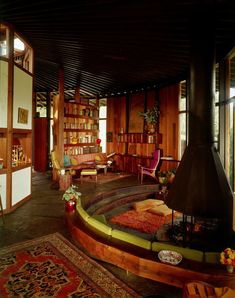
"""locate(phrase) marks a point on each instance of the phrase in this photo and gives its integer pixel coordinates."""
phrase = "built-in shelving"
(81, 128)
(16, 97)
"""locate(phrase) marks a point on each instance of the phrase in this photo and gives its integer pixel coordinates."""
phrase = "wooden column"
(60, 137)
(10, 119)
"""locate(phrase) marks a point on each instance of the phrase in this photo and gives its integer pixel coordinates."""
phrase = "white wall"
(21, 185)
(22, 97)
(3, 93)
(3, 187)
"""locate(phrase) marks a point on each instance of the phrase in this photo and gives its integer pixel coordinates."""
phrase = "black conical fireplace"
(200, 188)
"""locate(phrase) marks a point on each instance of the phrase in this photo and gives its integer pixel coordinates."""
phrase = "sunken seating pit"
(137, 254)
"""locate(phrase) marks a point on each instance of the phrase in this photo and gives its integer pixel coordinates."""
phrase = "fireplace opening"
(205, 234)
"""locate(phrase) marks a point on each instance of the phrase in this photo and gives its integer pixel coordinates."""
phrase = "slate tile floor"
(44, 214)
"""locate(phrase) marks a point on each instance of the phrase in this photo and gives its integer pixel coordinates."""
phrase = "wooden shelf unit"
(81, 128)
(16, 103)
(136, 148)
(21, 148)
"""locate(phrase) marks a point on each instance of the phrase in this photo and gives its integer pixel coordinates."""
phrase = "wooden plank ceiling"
(112, 47)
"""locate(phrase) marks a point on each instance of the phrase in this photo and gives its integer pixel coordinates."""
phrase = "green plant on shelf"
(151, 116)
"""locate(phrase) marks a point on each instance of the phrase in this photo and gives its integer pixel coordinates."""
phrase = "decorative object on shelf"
(98, 141)
(227, 257)
(71, 196)
(170, 257)
(151, 117)
(18, 156)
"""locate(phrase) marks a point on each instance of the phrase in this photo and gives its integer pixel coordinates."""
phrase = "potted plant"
(171, 175)
(71, 196)
(151, 117)
(163, 178)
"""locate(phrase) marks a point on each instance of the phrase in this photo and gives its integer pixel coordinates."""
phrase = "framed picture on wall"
(23, 116)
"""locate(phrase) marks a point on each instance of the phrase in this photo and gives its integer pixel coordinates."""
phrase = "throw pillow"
(66, 161)
(74, 161)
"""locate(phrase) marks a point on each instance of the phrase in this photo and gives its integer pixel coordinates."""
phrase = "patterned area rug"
(143, 221)
(50, 266)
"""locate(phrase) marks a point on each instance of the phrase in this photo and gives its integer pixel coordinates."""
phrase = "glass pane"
(216, 109)
(182, 101)
(231, 157)
(102, 134)
(103, 111)
(3, 41)
(23, 54)
(183, 134)
(230, 127)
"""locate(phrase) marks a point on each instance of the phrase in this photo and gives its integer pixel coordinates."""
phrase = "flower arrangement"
(227, 257)
(71, 194)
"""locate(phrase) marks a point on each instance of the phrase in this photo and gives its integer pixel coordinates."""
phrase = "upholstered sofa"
(82, 161)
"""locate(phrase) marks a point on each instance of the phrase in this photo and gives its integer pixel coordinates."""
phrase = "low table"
(89, 172)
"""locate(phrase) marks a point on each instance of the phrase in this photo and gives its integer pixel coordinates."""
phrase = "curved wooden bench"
(97, 239)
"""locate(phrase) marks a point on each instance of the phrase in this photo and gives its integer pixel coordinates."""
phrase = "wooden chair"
(151, 171)
(198, 289)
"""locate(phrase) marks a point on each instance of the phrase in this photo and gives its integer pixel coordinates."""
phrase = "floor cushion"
(147, 204)
(162, 210)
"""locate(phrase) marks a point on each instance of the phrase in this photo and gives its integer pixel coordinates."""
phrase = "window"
(229, 124)
(4, 41)
(183, 115)
(216, 108)
(23, 54)
(102, 123)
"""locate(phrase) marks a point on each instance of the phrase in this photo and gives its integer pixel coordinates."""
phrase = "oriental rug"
(51, 266)
(142, 221)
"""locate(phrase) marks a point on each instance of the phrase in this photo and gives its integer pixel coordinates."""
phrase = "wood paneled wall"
(168, 125)
(123, 116)
(116, 122)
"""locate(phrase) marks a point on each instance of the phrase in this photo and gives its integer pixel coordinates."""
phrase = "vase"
(229, 268)
(70, 206)
(151, 128)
